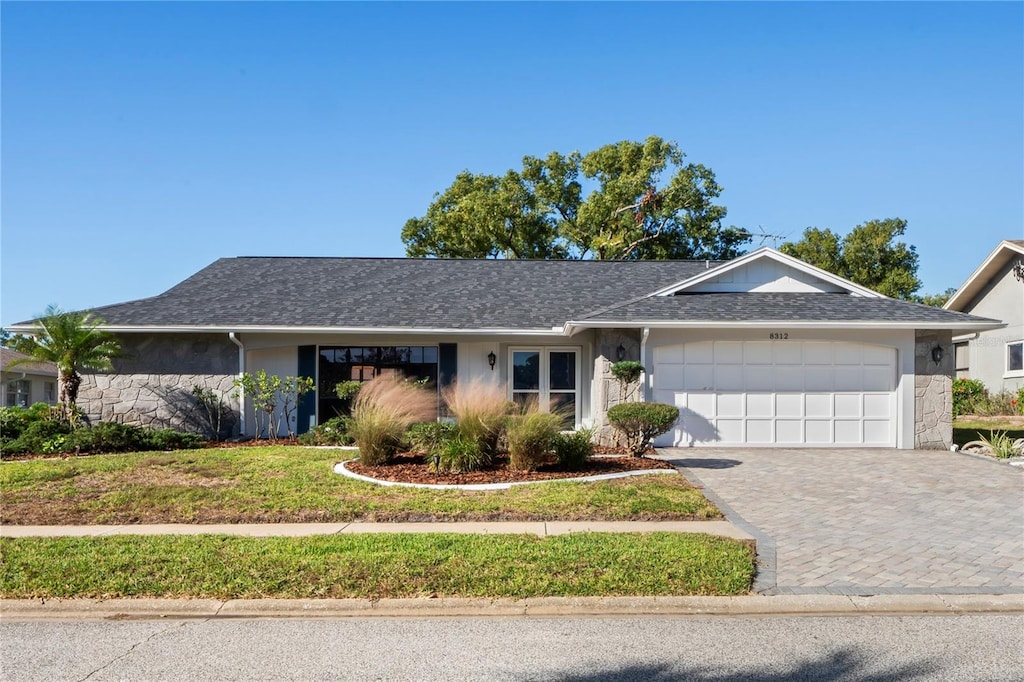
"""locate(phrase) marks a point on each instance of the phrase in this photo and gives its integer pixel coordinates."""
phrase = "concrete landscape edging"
(746, 605)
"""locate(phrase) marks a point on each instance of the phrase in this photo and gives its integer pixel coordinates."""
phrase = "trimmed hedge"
(641, 423)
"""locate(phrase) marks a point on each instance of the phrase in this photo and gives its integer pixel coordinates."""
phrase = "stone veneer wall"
(152, 385)
(607, 391)
(933, 391)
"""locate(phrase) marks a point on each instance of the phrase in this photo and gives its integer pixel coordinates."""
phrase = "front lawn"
(375, 566)
(970, 428)
(294, 484)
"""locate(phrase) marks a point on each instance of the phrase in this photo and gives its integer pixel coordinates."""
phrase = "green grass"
(966, 430)
(293, 484)
(375, 566)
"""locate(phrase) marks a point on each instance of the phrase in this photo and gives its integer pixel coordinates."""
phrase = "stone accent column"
(933, 391)
(152, 384)
(607, 390)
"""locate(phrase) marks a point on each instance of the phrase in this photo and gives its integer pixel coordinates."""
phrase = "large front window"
(361, 363)
(547, 377)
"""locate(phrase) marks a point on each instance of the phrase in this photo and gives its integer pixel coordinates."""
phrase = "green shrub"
(39, 437)
(1019, 401)
(1002, 445)
(383, 411)
(108, 437)
(14, 420)
(966, 394)
(458, 455)
(641, 423)
(347, 390)
(573, 450)
(627, 371)
(334, 431)
(169, 439)
(427, 437)
(529, 438)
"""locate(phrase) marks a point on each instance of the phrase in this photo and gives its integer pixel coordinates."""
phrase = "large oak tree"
(628, 200)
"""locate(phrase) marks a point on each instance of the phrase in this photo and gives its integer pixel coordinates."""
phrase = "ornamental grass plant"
(480, 408)
(531, 435)
(382, 413)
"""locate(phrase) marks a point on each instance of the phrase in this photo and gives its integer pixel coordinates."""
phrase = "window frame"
(1007, 372)
(14, 390)
(544, 392)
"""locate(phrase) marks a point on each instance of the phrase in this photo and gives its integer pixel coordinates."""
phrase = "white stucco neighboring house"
(995, 290)
(762, 350)
(28, 383)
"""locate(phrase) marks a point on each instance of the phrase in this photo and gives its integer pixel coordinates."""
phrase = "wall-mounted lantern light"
(937, 353)
(491, 359)
(620, 353)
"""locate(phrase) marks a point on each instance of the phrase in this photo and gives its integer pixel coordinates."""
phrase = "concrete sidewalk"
(541, 528)
(19, 610)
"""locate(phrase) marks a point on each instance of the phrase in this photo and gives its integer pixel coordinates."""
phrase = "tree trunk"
(69, 384)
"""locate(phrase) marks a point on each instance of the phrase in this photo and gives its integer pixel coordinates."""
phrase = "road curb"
(14, 610)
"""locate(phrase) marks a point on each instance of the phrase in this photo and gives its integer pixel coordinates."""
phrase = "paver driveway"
(859, 521)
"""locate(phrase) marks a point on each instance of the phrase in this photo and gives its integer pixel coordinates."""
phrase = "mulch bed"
(414, 468)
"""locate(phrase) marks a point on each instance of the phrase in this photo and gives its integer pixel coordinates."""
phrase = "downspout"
(241, 391)
(644, 333)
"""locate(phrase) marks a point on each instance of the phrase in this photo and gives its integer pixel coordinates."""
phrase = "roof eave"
(775, 324)
(1001, 255)
(279, 329)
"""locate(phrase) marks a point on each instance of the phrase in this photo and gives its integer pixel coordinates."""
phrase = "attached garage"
(778, 392)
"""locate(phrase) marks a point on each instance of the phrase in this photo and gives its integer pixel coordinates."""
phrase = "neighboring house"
(996, 289)
(29, 383)
(761, 350)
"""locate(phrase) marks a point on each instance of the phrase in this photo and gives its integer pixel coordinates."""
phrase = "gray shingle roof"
(398, 292)
(783, 307)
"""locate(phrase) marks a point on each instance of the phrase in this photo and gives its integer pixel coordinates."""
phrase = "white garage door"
(778, 393)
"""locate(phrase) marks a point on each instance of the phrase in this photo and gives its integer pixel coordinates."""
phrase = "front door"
(549, 378)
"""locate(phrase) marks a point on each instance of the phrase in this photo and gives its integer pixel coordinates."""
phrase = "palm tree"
(72, 341)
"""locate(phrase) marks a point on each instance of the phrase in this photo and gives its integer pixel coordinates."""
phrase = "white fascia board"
(962, 296)
(768, 252)
(776, 324)
(133, 329)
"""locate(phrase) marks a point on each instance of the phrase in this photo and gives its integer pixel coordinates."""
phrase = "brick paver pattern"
(860, 521)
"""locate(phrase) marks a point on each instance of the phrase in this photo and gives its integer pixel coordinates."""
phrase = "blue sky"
(142, 141)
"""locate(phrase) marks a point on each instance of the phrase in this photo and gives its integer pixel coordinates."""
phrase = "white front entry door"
(778, 393)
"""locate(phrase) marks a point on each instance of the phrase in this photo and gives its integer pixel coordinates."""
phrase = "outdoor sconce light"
(620, 353)
(491, 359)
(937, 353)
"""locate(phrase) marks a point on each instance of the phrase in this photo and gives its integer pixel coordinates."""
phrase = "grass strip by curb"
(375, 566)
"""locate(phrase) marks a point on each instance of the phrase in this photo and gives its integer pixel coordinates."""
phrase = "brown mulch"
(415, 468)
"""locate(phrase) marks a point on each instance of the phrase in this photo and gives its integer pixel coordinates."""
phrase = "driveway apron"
(869, 521)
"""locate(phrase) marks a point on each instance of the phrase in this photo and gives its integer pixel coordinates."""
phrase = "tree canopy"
(623, 201)
(73, 342)
(868, 255)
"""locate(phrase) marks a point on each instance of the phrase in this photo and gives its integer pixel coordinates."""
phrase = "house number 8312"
(778, 336)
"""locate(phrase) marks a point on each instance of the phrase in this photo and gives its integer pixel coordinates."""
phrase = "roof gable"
(766, 270)
(1006, 251)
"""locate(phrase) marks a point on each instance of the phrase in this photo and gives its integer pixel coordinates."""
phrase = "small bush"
(169, 439)
(479, 408)
(573, 450)
(627, 371)
(334, 431)
(641, 423)
(426, 438)
(347, 390)
(1002, 445)
(458, 455)
(383, 411)
(966, 394)
(14, 420)
(39, 437)
(529, 438)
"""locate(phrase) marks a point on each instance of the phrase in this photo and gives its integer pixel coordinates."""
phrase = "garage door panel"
(757, 353)
(849, 378)
(779, 392)
(759, 431)
(818, 404)
(879, 378)
(730, 405)
(699, 378)
(669, 375)
(878, 405)
(877, 432)
(759, 378)
(847, 405)
(760, 405)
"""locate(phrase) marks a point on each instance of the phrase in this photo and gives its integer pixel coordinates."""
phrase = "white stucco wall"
(282, 361)
(1002, 299)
